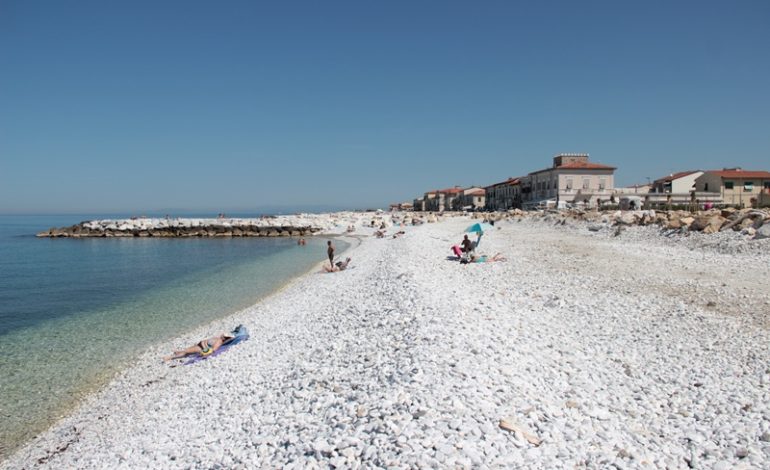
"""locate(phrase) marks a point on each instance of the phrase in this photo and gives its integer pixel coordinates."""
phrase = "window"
(569, 184)
(586, 183)
(729, 185)
(748, 186)
(706, 187)
(602, 184)
(767, 185)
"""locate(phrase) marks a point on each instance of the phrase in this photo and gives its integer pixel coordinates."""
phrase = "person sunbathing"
(338, 266)
(485, 259)
(204, 348)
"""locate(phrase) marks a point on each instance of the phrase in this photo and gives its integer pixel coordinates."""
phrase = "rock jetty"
(753, 223)
(179, 228)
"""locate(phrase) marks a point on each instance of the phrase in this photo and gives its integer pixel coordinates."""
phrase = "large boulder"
(727, 212)
(627, 218)
(707, 223)
(746, 223)
(763, 232)
(674, 223)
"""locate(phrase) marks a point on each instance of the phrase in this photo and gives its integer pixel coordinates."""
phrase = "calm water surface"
(77, 310)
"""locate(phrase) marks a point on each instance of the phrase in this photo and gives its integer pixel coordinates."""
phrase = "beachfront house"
(442, 199)
(471, 199)
(676, 183)
(736, 186)
(401, 206)
(503, 195)
(675, 188)
(571, 179)
(418, 204)
(430, 201)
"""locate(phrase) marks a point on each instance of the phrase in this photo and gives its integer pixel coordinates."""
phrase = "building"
(676, 183)
(430, 201)
(735, 186)
(571, 179)
(401, 206)
(634, 189)
(418, 204)
(503, 195)
(472, 198)
(442, 200)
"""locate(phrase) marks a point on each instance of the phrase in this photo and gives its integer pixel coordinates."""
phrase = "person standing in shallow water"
(330, 252)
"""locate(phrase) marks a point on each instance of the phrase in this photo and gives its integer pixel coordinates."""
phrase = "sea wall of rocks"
(180, 228)
(754, 223)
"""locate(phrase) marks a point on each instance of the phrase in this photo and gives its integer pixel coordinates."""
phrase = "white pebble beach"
(582, 350)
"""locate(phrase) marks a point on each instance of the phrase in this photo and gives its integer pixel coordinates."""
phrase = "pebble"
(603, 348)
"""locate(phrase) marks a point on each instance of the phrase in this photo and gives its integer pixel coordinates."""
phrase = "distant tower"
(564, 158)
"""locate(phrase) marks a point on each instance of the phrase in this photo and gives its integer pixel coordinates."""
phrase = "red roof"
(577, 166)
(740, 174)
(477, 192)
(511, 181)
(585, 166)
(675, 176)
(450, 190)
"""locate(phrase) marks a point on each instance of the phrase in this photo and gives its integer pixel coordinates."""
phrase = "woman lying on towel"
(204, 348)
(485, 259)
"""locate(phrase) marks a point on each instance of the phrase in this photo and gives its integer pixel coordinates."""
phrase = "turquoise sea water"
(75, 311)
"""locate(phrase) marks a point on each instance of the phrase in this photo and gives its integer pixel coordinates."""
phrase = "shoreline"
(100, 380)
(91, 395)
(414, 360)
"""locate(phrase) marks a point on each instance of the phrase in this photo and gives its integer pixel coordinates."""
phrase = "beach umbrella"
(478, 228)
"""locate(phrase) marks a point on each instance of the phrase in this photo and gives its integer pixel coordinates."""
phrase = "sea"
(73, 312)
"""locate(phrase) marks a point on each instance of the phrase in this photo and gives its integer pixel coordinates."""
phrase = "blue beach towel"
(240, 334)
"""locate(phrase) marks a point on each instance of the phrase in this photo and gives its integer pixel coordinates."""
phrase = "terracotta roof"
(450, 190)
(511, 181)
(675, 176)
(585, 165)
(740, 174)
(477, 192)
(577, 166)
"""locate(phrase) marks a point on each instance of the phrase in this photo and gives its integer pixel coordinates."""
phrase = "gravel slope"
(630, 351)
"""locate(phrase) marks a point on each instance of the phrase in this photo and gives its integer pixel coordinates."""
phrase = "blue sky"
(232, 106)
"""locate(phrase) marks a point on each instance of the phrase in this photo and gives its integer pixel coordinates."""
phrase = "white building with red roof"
(572, 179)
(736, 186)
(682, 182)
(441, 199)
(472, 198)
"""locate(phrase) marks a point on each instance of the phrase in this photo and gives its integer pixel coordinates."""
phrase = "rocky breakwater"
(179, 228)
(753, 223)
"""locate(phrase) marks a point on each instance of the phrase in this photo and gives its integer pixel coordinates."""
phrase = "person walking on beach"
(330, 252)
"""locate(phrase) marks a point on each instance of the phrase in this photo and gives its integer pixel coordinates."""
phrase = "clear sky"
(158, 105)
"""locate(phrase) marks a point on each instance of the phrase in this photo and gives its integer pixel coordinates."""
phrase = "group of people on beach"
(339, 265)
(466, 252)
